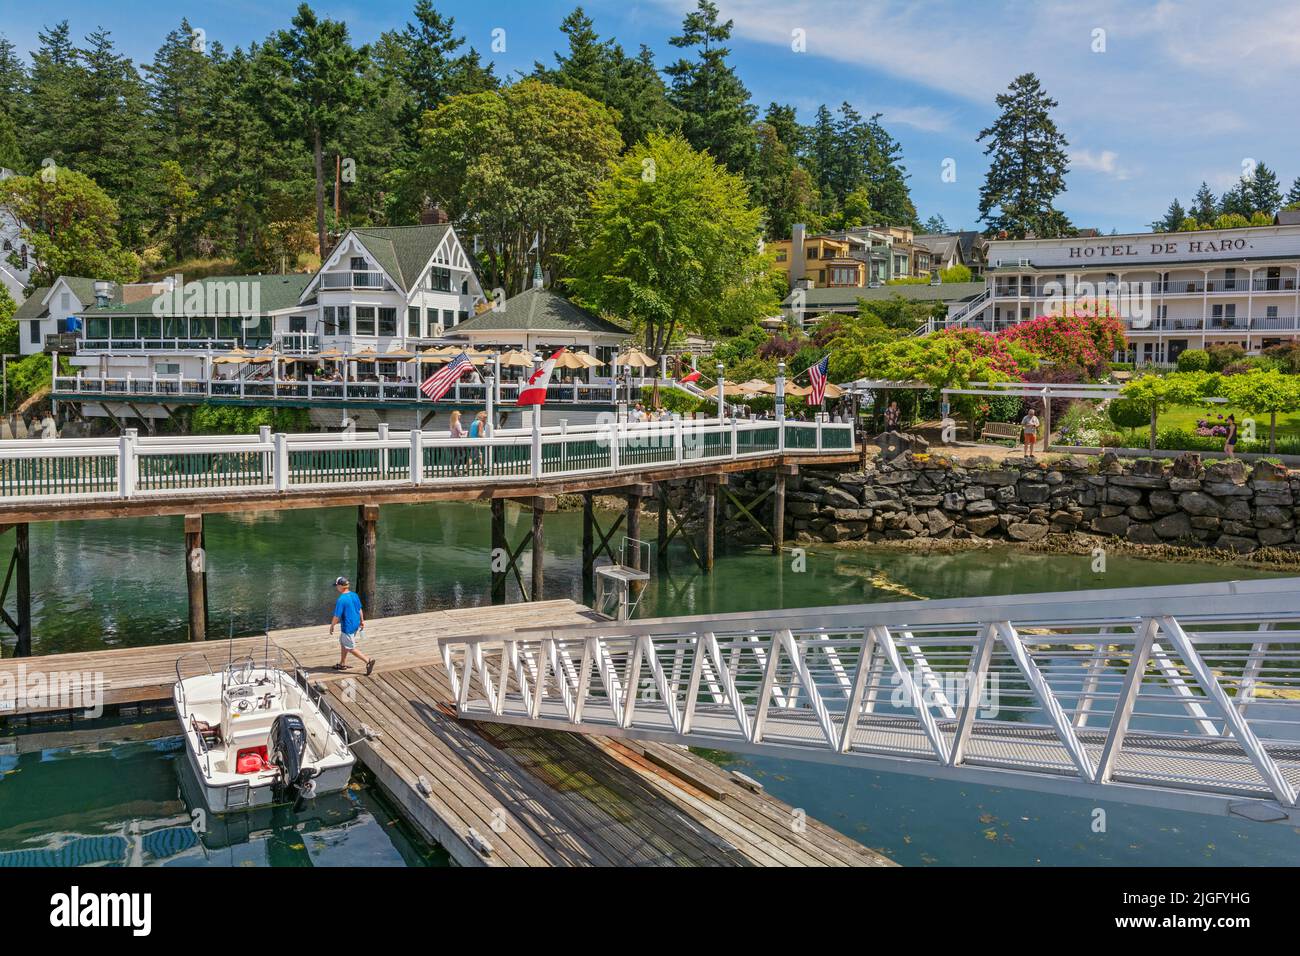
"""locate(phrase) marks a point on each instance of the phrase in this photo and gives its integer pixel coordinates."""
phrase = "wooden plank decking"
(547, 798)
(133, 674)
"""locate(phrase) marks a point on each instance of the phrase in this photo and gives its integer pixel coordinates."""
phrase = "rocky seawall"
(1183, 503)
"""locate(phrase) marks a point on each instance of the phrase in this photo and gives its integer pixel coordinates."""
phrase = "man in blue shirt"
(351, 622)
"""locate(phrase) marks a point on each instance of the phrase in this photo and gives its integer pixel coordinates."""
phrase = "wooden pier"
(504, 796)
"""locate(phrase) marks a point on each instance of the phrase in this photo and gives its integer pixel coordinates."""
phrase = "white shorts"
(349, 641)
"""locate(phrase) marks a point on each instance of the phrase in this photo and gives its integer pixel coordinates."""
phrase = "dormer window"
(358, 264)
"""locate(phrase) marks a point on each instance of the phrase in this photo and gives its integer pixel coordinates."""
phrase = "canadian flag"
(692, 376)
(534, 392)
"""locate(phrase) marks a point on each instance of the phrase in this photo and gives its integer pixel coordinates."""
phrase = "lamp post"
(721, 399)
(780, 392)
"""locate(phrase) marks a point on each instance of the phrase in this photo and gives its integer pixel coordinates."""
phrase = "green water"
(99, 584)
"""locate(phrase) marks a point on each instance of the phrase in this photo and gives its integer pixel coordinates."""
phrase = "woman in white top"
(456, 431)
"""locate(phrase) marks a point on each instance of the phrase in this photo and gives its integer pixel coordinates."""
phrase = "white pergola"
(1044, 390)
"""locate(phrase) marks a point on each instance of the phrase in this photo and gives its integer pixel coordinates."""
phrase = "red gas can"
(251, 760)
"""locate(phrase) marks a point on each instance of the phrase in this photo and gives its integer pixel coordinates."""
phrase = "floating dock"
(493, 795)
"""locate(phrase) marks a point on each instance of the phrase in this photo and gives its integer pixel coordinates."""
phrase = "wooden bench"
(1001, 431)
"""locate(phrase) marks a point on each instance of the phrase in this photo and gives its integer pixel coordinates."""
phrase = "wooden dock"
(134, 674)
(495, 795)
(491, 794)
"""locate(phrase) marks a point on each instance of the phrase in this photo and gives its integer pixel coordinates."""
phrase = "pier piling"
(588, 550)
(710, 483)
(19, 574)
(539, 512)
(499, 551)
(367, 527)
(196, 577)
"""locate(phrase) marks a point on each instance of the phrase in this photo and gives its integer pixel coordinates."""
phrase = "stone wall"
(1224, 504)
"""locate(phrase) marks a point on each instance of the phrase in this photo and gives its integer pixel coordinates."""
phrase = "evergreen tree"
(601, 70)
(1205, 207)
(1028, 167)
(1293, 197)
(1236, 200)
(320, 78)
(1263, 191)
(716, 112)
(887, 178)
(779, 184)
(52, 96)
(1173, 219)
(935, 225)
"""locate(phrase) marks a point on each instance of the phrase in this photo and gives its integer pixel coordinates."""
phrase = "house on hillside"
(14, 276)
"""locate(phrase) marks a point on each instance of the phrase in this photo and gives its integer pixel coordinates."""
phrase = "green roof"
(275, 292)
(911, 292)
(402, 251)
(33, 307)
(538, 310)
(84, 289)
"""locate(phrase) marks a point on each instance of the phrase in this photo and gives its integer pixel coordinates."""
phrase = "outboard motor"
(286, 750)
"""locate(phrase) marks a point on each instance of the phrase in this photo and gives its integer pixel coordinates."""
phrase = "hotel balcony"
(1210, 326)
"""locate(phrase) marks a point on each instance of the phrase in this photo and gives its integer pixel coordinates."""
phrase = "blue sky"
(1165, 95)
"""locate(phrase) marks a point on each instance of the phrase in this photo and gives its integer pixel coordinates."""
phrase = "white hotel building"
(1176, 291)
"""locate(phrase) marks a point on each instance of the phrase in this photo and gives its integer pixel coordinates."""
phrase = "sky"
(1154, 96)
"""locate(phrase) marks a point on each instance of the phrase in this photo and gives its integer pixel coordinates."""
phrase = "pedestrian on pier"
(350, 619)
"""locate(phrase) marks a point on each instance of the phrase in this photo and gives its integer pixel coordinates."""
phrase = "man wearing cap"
(351, 621)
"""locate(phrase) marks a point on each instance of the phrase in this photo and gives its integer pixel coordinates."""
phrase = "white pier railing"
(132, 466)
(1184, 697)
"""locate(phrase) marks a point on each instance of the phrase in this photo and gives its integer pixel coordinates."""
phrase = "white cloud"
(1105, 162)
(924, 118)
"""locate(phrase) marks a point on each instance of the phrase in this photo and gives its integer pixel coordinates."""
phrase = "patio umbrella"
(518, 358)
(329, 355)
(396, 353)
(569, 359)
(834, 391)
(635, 358)
(728, 389)
(756, 386)
(365, 355)
(266, 355)
(235, 356)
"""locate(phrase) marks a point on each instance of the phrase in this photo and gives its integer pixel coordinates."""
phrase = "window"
(297, 323)
(1230, 278)
(413, 321)
(168, 368)
(344, 320)
(34, 333)
(1271, 312)
(122, 328)
(431, 320)
(65, 301)
(228, 327)
(440, 279)
(175, 327)
(387, 321)
(448, 318)
(812, 252)
(780, 255)
(97, 328)
(365, 320)
(150, 328)
(464, 287)
(462, 316)
(358, 264)
(331, 324)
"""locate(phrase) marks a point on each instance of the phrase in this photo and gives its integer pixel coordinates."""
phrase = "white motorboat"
(254, 734)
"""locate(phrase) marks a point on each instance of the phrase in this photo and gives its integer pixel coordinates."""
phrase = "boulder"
(937, 521)
(1230, 470)
(1113, 524)
(980, 507)
(1034, 492)
(981, 526)
(1119, 495)
(1274, 536)
(1025, 531)
(1228, 542)
(1176, 525)
(1186, 465)
(1162, 502)
(1199, 503)
(839, 498)
(852, 514)
(1142, 534)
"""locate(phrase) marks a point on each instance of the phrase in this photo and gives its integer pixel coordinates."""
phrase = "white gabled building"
(1174, 291)
(381, 289)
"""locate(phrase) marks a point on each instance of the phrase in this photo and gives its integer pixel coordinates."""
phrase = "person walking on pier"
(350, 619)
(1230, 442)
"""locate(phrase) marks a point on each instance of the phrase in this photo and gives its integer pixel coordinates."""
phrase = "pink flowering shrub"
(1082, 340)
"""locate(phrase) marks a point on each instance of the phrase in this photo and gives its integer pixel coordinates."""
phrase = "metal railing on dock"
(1182, 697)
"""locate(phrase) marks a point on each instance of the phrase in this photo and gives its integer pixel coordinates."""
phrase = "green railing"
(650, 449)
(587, 454)
(697, 445)
(58, 475)
(799, 436)
(226, 469)
(335, 466)
(837, 439)
(751, 441)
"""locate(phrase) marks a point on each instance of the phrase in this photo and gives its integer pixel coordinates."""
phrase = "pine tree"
(52, 96)
(1293, 197)
(1028, 167)
(601, 70)
(1205, 207)
(1173, 219)
(1236, 201)
(716, 111)
(887, 178)
(936, 225)
(1263, 191)
(779, 184)
(321, 82)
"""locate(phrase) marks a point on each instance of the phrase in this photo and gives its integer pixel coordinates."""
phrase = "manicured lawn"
(1186, 416)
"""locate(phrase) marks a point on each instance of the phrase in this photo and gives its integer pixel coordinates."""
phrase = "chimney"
(798, 260)
(433, 216)
(103, 292)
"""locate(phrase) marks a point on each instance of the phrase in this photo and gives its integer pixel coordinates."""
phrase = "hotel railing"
(1220, 286)
(1211, 325)
(353, 280)
(133, 466)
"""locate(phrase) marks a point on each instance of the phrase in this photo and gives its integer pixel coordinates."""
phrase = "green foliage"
(683, 403)
(1128, 412)
(8, 325)
(69, 223)
(518, 165)
(238, 420)
(1193, 360)
(29, 375)
(663, 249)
(1221, 356)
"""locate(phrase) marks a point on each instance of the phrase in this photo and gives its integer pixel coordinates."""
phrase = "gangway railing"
(1183, 697)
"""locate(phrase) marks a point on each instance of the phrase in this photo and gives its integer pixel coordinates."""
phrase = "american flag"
(438, 384)
(817, 379)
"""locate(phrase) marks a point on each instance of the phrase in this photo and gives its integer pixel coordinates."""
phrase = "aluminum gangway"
(1184, 697)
